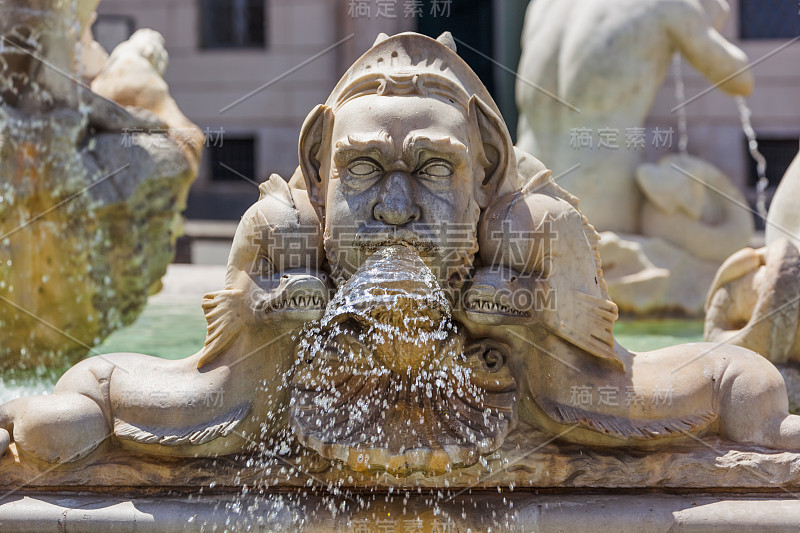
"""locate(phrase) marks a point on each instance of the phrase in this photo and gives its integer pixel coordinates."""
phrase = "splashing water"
(758, 157)
(680, 97)
(385, 382)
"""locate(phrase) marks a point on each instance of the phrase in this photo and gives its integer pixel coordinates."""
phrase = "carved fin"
(195, 435)
(446, 38)
(380, 38)
(222, 314)
(277, 187)
(587, 322)
(623, 427)
(538, 183)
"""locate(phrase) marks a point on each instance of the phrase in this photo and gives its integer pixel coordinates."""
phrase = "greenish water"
(172, 330)
(646, 335)
(176, 329)
(166, 328)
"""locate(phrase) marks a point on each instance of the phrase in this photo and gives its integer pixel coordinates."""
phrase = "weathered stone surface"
(754, 302)
(430, 290)
(476, 511)
(528, 459)
(783, 219)
(91, 191)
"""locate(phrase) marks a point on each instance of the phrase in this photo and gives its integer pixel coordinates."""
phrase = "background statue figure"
(608, 60)
(589, 68)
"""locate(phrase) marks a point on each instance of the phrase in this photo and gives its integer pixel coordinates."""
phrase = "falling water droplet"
(758, 157)
(680, 97)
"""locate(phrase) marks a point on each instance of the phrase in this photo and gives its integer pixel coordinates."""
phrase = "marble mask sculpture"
(406, 304)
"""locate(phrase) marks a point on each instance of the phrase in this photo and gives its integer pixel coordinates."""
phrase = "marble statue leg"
(753, 403)
(55, 428)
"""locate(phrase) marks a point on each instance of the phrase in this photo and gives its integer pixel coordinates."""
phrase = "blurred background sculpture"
(589, 68)
(92, 181)
(754, 301)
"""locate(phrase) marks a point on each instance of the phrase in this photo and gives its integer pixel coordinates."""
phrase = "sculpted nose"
(396, 204)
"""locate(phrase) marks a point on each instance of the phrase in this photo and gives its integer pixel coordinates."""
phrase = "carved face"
(400, 172)
(409, 169)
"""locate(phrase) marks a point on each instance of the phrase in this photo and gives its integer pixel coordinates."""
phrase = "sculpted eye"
(363, 168)
(264, 266)
(437, 168)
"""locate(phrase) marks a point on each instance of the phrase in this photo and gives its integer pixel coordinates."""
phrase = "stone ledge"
(519, 511)
(527, 460)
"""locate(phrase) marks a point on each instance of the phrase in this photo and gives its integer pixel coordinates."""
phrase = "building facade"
(248, 72)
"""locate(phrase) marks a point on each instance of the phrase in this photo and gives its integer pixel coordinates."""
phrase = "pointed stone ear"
(314, 142)
(380, 38)
(446, 38)
(495, 152)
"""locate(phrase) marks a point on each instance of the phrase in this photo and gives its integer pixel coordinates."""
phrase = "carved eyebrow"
(354, 146)
(454, 150)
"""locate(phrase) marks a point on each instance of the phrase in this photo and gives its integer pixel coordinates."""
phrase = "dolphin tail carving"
(196, 435)
(627, 428)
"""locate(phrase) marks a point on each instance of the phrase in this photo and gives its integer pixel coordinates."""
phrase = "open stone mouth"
(420, 246)
(308, 301)
(490, 306)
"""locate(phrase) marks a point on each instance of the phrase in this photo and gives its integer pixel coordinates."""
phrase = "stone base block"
(399, 512)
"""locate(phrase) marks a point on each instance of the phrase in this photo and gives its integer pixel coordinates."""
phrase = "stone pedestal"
(528, 460)
(475, 511)
(533, 483)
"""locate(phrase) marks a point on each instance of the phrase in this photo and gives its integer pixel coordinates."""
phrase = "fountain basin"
(544, 513)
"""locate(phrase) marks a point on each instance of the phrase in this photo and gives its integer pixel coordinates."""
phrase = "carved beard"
(457, 271)
(384, 380)
(447, 416)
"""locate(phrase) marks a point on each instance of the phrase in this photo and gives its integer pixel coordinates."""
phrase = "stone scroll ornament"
(418, 291)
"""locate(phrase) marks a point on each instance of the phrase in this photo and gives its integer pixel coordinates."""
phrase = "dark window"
(233, 23)
(471, 22)
(768, 20)
(778, 153)
(233, 159)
